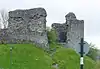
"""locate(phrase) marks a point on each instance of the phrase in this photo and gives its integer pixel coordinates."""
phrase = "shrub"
(93, 52)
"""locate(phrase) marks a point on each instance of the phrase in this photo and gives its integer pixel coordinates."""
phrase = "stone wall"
(28, 25)
(60, 28)
(73, 28)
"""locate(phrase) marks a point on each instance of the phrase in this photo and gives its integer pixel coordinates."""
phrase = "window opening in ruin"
(62, 37)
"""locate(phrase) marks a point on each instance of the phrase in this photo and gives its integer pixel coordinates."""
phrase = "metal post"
(10, 57)
(81, 53)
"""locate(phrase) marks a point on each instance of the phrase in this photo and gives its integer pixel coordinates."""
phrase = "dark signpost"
(82, 48)
(81, 53)
(11, 57)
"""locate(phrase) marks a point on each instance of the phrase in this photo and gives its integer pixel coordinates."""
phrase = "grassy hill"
(24, 56)
(69, 59)
(27, 56)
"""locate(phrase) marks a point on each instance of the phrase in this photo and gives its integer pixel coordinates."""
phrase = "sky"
(87, 10)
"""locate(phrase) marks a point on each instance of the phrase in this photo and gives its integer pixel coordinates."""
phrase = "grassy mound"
(68, 59)
(27, 56)
(24, 56)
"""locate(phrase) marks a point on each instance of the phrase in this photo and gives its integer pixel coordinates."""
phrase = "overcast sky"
(87, 10)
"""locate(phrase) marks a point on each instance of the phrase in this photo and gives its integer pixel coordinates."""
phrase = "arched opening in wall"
(62, 37)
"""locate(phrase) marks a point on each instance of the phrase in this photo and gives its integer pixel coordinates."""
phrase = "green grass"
(24, 56)
(97, 64)
(69, 59)
(27, 56)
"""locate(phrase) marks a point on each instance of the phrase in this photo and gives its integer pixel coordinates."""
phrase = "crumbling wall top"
(28, 12)
(70, 16)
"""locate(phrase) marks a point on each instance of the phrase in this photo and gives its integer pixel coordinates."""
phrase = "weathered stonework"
(28, 25)
(73, 29)
(60, 29)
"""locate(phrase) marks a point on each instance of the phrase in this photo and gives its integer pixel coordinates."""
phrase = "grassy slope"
(24, 56)
(68, 59)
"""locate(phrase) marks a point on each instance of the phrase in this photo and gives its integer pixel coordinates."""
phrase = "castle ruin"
(30, 25)
(70, 32)
(27, 25)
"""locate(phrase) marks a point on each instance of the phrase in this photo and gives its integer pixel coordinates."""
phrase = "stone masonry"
(30, 26)
(70, 32)
(27, 25)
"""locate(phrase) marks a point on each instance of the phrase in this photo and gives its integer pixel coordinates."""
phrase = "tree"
(4, 18)
(1, 24)
(93, 52)
(48, 28)
(52, 37)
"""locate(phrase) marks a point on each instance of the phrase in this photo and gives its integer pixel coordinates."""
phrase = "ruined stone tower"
(27, 25)
(70, 32)
(30, 25)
